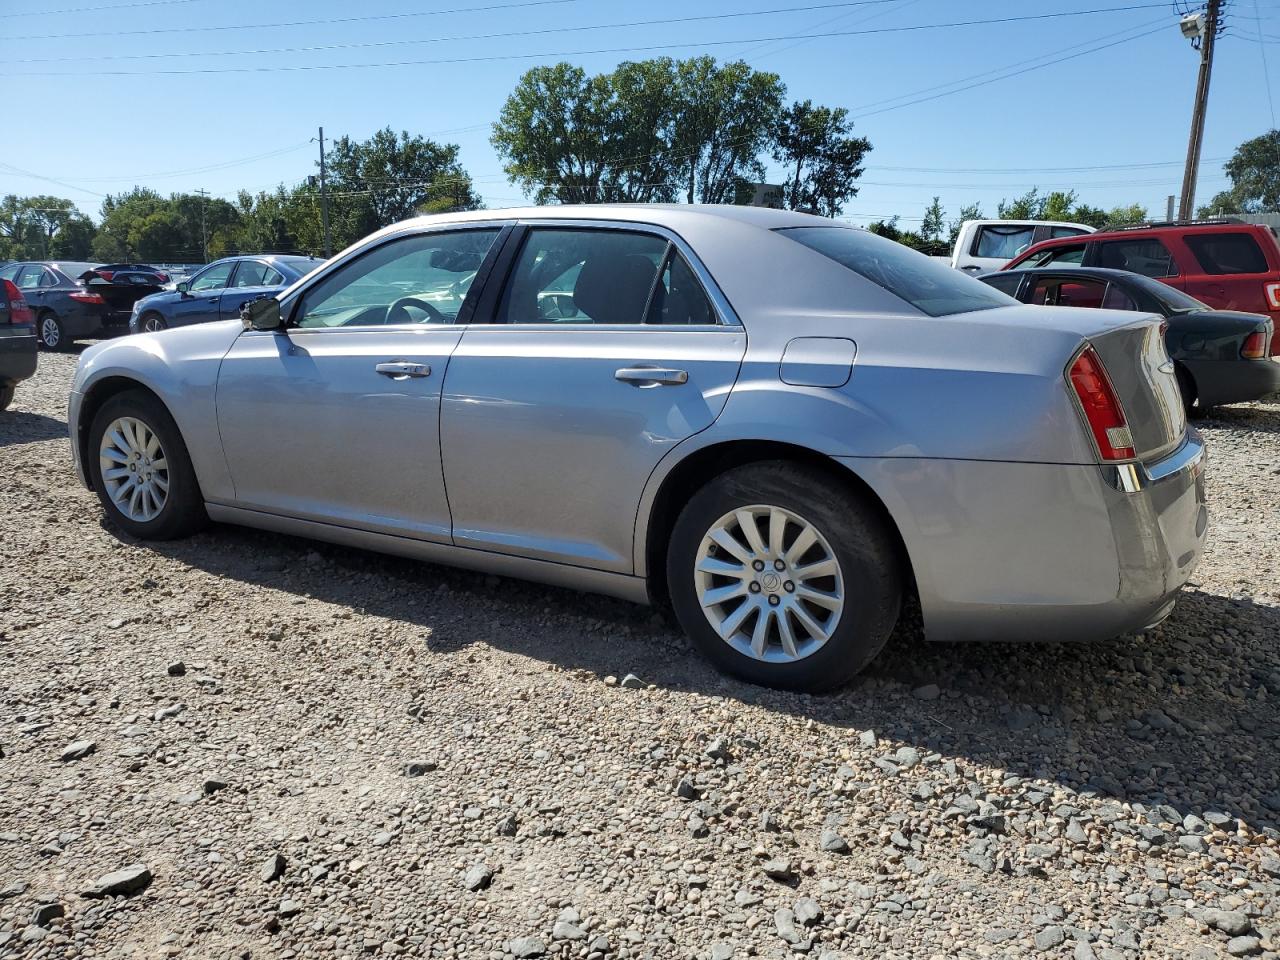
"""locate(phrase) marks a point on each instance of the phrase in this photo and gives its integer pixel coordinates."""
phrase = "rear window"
(931, 287)
(1144, 255)
(1003, 242)
(1226, 253)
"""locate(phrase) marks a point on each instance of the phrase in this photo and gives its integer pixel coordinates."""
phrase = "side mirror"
(262, 314)
(184, 287)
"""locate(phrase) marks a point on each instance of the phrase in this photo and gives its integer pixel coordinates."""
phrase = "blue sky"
(95, 113)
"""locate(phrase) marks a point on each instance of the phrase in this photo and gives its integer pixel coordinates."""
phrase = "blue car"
(218, 291)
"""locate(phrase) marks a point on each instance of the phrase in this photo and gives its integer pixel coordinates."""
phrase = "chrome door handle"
(402, 370)
(652, 376)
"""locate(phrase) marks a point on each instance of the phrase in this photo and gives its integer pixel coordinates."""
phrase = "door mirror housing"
(184, 288)
(263, 314)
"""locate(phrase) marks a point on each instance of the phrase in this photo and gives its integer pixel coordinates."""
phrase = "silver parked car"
(778, 424)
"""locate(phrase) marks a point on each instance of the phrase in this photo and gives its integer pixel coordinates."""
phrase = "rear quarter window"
(1226, 253)
(931, 287)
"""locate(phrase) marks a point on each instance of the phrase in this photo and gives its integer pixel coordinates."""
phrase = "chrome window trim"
(720, 303)
(289, 298)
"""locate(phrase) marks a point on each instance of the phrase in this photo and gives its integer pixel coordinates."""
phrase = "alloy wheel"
(769, 583)
(152, 324)
(50, 332)
(134, 469)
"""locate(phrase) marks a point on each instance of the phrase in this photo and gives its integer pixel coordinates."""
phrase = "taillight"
(19, 312)
(94, 298)
(105, 274)
(1255, 346)
(1273, 295)
(1101, 407)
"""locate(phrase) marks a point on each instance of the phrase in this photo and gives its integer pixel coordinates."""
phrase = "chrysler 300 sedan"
(778, 425)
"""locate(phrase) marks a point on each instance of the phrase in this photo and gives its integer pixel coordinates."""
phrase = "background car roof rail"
(1147, 225)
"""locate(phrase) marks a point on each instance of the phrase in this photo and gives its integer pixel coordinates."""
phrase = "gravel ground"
(316, 752)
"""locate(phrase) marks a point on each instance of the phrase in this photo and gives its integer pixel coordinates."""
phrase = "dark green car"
(1221, 356)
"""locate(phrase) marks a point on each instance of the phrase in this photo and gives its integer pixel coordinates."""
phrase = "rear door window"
(29, 276)
(584, 276)
(1144, 255)
(1002, 242)
(1060, 292)
(250, 273)
(1226, 253)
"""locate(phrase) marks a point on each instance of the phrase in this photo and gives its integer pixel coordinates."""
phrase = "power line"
(320, 48)
(114, 6)
(580, 53)
(1009, 74)
(327, 21)
(225, 165)
(1007, 170)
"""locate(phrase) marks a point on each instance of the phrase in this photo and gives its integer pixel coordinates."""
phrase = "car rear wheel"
(141, 470)
(1187, 388)
(783, 577)
(153, 323)
(51, 333)
(6, 396)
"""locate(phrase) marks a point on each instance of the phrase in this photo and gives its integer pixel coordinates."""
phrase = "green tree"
(821, 157)
(972, 211)
(649, 131)
(726, 117)
(388, 178)
(1254, 170)
(41, 226)
(934, 223)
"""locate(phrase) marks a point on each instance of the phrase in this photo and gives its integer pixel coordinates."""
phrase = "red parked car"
(1227, 263)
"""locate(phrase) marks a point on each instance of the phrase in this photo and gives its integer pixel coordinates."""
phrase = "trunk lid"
(1146, 385)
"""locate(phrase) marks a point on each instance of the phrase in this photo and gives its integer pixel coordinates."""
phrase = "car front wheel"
(153, 323)
(6, 396)
(141, 470)
(784, 577)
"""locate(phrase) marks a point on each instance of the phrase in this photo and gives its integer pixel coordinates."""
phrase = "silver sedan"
(778, 425)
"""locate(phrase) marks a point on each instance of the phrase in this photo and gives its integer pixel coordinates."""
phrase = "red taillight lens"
(1101, 407)
(95, 298)
(1272, 291)
(19, 312)
(105, 274)
(1255, 346)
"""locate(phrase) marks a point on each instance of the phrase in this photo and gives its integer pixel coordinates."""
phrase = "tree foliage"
(1254, 170)
(1064, 205)
(822, 158)
(662, 130)
(41, 227)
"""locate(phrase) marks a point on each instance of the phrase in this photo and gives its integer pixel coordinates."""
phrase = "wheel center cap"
(771, 582)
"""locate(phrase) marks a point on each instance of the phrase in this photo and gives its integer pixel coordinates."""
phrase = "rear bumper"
(17, 354)
(1234, 381)
(1045, 552)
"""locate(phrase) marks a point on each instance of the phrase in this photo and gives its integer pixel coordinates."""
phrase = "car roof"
(1098, 273)
(660, 214)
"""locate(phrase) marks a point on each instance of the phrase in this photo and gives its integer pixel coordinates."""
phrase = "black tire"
(1187, 387)
(155, 319)
(862, 543)
(6, 396)
(59, 341)
(182, 513)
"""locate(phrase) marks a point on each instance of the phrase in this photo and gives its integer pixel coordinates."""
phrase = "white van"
(985, 245)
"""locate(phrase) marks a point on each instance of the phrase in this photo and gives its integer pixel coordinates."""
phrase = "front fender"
(178, 366)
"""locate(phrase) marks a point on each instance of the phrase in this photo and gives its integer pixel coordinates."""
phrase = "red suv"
(1228, 264)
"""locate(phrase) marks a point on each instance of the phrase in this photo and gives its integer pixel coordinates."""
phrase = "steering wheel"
(433, 315)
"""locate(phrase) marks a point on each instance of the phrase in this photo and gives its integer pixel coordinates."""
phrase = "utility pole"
(1203, 39)
(324, 202)
(204, 234)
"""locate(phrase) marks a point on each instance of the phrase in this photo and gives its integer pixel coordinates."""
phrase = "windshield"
(932, 287)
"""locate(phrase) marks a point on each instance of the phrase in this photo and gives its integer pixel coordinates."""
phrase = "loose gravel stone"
(77, 750)
(522, 947)
(122, 882)
(478, 877)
